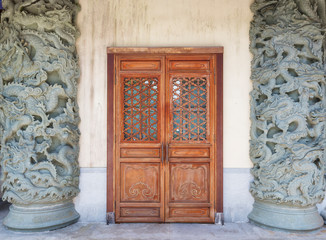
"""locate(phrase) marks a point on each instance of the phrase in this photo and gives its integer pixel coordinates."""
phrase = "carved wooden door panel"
(164, 138)
(139, 169)
(190, 141)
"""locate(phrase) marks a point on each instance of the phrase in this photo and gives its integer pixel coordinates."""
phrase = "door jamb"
(110, 138)
(219, 218)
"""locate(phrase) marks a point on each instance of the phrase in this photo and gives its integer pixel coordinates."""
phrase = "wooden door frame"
(111, 137)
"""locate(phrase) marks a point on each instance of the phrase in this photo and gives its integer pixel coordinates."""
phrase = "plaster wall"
(164, 23)
(91, 201)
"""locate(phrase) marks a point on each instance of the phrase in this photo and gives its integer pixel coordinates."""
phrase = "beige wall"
(134, 23)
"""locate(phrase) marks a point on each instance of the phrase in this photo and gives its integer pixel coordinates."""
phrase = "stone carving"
(288, 102)
(38, 107)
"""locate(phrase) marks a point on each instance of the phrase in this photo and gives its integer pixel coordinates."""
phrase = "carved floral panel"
(189, 182)
(140, 182)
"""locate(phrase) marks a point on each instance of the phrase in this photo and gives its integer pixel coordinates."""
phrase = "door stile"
(166, 141)
(117, 139)
(219, 132)
(213, 136)
(110, 132)
(163, 136)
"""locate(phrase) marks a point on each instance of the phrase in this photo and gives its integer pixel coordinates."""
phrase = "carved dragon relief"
(38, 103)
(288, 101)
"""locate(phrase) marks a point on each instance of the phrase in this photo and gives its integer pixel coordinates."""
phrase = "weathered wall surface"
(164, 23)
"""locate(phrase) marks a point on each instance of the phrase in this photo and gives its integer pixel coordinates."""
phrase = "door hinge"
(215, 77)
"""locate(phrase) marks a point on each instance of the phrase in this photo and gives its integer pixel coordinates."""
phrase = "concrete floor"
(92, 231)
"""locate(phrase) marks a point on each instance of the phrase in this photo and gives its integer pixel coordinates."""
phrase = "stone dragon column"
(288, 113)
(39, 113)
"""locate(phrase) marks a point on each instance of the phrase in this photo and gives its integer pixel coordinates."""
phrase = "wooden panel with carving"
(189, 182)
(189, 153)
(134, 65)
(140, 212)
(139, 153)
(189, 212)
(165, 115)
(140, 182)
(189, 65)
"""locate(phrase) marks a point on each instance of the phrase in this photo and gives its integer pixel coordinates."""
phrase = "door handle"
(167, 153)
(162, 153)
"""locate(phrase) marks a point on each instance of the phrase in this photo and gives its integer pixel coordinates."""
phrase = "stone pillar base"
(285, 217)
(40, 217)
(323, 214)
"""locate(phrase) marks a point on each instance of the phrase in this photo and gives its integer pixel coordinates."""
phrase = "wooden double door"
(165, 148)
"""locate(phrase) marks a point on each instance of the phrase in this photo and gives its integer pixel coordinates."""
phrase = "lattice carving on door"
(189, 108)
(141, 101)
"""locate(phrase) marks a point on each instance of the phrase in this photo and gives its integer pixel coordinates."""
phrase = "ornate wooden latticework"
(189, 108)
(140, 109)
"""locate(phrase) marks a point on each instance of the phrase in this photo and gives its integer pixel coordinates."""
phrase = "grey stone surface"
(281, 216)
(40, 218)
(92, 231)
(38, 104)
(237, 199)
(92, 183)
(288, 106)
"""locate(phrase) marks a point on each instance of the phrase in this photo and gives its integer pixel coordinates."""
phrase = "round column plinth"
(323, 214)
(285, 217)
(40, 217)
